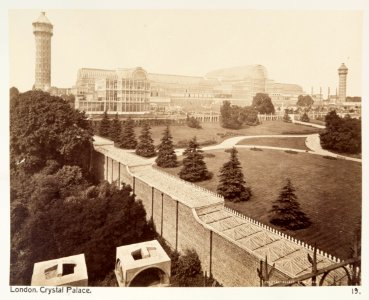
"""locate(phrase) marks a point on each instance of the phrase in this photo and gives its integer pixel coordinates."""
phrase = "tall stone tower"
(342, 73)
(43, 31)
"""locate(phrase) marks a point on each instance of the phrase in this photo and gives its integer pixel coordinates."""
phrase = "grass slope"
(213, 131)
(329, 192)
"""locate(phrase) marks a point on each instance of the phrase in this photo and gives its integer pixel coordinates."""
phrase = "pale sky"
(302, 47)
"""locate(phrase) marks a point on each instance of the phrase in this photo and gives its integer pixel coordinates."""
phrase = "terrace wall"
(179, 225)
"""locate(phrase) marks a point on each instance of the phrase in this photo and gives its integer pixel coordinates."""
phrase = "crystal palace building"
(133, 91)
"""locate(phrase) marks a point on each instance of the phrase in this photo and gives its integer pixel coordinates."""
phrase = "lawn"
(329, 192)
(358, 155)
(319, 122)
(294, 142)
(213, 131)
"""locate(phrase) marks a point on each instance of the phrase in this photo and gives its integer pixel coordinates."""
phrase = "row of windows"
(112, 106)
(129, 84)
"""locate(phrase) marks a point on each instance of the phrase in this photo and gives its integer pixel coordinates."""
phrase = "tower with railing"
(342, 73)
(43, 31)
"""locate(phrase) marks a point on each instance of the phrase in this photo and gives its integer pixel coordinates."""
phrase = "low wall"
(179, 225)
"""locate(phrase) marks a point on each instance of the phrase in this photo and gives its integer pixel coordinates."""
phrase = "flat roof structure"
(123, 156)
(135, 260)
(65, 271)
(288, 254)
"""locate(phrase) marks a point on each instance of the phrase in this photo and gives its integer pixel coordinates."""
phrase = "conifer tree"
(145, 146)
(104, 128)
(194, 168)
(232, 185)
(167, 157)
(286, 210)
(127, 138)
(115, 129)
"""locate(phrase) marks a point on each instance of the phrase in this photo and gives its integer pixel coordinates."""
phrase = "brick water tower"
(43, 31)
(342, 73)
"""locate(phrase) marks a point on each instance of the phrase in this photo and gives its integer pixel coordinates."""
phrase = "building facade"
(121, 91)
(43, 31)
(133, 91)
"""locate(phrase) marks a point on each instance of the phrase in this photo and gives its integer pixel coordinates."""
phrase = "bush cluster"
(341, 134)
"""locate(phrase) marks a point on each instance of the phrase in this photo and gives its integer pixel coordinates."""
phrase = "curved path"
(232, 142)
(312, 142)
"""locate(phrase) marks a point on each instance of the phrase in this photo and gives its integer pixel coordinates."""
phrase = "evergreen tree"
(104, 128)
(145, 145)
(232, 185)
(127, 139)
(194, 168)
(286, 211)
(167, 158)
(115, 129)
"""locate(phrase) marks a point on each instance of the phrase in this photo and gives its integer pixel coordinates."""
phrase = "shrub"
(286, 117)
(193, 123)
(330, 157)
(189, 266)
(291, 152)
(305, 118)
(256, 149)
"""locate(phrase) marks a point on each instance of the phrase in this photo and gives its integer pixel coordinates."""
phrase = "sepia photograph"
(185, 148)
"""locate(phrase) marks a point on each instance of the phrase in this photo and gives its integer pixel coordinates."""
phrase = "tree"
(263, 104)
(286, 211)
(127, 139)
(341, 134)
(60, 215)
(232, 185)
(193, 122)
(13, 93)
(194, 168)
(233, 116)
(304, 101)
(104, 128)
(230, 116)
(248, 115)
(167, 157)
(115, 129)
(145, 146)
(70, 99)
(44, 127)
(189, 266)
(286, 116)
(305, 118)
